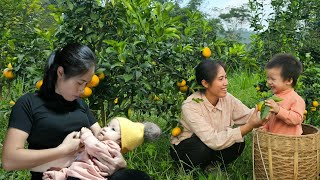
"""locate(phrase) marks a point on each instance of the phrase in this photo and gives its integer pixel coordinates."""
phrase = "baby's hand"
(84, 130)
(274, 107)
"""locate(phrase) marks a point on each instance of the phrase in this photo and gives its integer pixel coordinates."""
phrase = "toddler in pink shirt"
(120, 134)
(286, 116)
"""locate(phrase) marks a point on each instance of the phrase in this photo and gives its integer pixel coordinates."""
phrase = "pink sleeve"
(293, 116)
(93, 145)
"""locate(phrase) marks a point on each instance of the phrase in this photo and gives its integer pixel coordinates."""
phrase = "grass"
(154, 158)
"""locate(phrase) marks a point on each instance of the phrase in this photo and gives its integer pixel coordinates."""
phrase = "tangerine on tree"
(86, 92)
(315, 103)
(39, 84)
(94, 81)
(182, 83)
(206, 52)
(305, 112)
(183, 89)
(176, 131)
(7, 72)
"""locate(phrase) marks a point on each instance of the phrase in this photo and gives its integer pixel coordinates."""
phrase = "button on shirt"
(214, 125)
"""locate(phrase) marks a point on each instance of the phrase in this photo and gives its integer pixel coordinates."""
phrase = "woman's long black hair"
(75, 58)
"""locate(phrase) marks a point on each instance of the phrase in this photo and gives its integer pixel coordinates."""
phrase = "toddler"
(287, 115)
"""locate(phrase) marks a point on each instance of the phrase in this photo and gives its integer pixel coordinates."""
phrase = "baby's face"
(110, 132)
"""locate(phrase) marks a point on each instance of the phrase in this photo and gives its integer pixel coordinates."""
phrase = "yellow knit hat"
(132, 134)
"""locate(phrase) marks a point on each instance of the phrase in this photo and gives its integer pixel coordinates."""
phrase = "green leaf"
(118, 64)
(198, 100)
(138, 75)
(276, 98)
(127, 77)
(264, 111)
(70, 5)
(170, 30)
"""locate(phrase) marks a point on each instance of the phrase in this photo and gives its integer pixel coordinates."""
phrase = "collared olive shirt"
(214, 125)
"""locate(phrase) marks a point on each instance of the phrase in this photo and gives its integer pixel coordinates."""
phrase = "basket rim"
(284, 135)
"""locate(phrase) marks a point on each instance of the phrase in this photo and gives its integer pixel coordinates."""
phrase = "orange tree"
(21, 45)
(143, 50)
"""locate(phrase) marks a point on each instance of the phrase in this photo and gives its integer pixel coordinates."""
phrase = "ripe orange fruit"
(183, 89)
(206, 52)
(86, 92)
(101, 76)
(182, 83)
(94, 81)
(305, 112)
(313, 108)
(315, 103)
(176, 131)
(7, 72)
(39, 84)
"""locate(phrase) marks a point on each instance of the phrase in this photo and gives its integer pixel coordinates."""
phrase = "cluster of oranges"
(313, 108)
(315, 104)
(96, 78)
(182, 86)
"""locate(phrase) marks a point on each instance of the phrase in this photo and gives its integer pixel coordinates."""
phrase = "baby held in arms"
(119, 136)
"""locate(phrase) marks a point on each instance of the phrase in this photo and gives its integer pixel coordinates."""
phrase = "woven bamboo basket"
(286, 157)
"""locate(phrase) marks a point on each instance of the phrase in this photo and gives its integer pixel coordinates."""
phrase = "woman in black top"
(49, 119)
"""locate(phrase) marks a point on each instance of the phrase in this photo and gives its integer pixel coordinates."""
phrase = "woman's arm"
(253, 122)
(213, 136)
(16, 157)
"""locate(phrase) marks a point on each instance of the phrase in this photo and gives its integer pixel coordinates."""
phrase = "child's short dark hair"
(291, 68)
